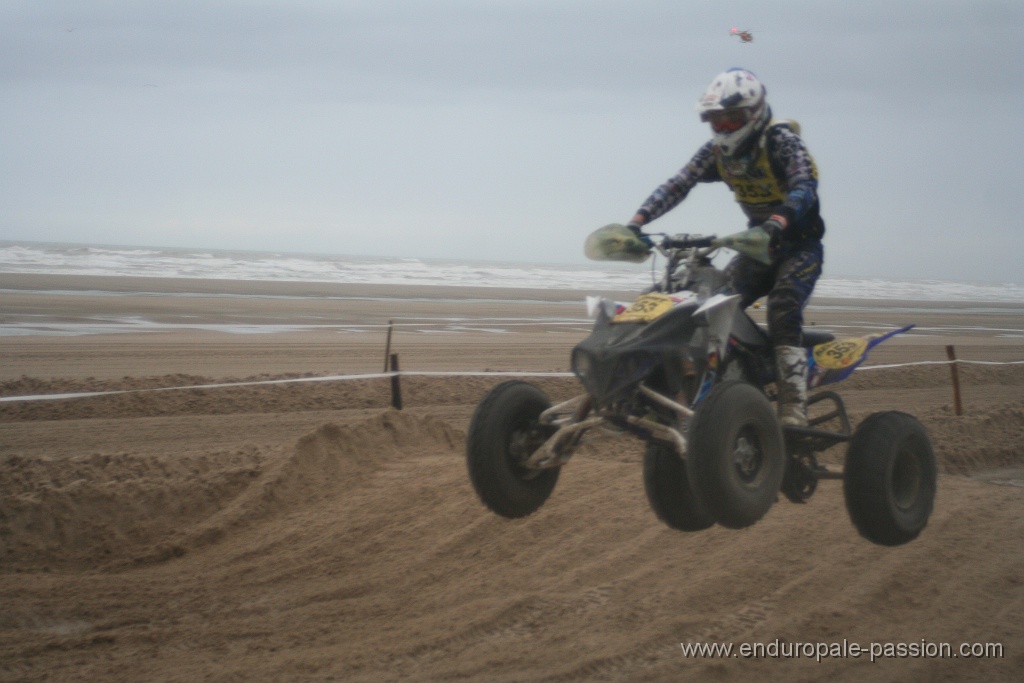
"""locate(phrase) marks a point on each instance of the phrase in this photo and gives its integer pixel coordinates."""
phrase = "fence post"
(387, 346)
(951, 355)
(396, 386)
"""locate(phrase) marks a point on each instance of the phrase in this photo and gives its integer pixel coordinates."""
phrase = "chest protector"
(753, 182)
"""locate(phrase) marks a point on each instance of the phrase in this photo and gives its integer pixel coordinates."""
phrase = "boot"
(791, 381)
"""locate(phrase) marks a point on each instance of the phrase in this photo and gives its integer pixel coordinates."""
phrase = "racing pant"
(788, 281)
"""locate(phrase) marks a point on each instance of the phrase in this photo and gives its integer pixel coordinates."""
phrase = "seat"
(815, 337)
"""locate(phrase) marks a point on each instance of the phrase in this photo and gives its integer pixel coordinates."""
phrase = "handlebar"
(687, 241)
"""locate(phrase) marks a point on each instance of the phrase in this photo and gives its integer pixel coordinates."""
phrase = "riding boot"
(791, 382)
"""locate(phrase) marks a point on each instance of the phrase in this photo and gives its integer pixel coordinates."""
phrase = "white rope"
(328, 378)
(941, 362)
(414, 373)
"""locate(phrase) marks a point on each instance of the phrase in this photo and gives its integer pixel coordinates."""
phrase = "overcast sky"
(503, 130)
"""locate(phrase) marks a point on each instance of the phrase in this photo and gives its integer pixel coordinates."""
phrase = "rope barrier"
(412, 373)
(326, 378)
(943, 362)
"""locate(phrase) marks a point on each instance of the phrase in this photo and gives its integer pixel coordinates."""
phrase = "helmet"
(734, 104)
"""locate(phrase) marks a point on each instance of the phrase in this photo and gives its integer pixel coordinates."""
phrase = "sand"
(308, 531)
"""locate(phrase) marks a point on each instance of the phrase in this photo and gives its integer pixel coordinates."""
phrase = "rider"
(774, 179)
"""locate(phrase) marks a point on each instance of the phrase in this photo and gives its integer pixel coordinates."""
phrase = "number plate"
(839, 354)
(646, 308)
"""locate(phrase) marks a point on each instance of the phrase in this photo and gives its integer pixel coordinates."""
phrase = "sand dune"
(361, 553)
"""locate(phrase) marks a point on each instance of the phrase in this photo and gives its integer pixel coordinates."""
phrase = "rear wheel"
(668, 490)
(503, 433)
(735, 457)
(889, 480)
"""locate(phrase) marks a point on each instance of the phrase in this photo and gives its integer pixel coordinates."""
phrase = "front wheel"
(669, 492)
(503, 433)
(889, 480)
(735, 457)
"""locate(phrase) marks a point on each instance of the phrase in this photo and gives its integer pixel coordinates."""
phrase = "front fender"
(720, 311)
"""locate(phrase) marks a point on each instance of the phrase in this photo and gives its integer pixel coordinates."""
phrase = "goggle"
(728, 120)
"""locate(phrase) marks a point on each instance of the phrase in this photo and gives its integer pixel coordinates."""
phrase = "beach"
(287, 528)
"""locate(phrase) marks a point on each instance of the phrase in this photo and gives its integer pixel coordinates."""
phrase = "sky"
(503, 129)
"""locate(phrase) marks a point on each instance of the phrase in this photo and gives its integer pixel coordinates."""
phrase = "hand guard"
(638, 231)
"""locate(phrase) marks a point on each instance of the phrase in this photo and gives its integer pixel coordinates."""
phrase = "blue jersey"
(778, 177)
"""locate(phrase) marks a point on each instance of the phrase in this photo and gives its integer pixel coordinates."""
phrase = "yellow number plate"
(839, 354)
(646, 308)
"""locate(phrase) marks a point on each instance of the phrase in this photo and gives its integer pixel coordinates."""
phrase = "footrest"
(815, 439)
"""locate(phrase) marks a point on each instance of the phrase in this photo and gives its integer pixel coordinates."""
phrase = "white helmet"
(735, 106)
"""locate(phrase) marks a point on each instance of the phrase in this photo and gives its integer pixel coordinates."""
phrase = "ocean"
(81, 259)
(849, 295)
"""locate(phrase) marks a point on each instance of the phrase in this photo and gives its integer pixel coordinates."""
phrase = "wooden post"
(387, 346)
(396, 387)
(951, 354)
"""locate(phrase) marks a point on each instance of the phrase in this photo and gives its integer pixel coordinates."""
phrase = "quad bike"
(686, 371)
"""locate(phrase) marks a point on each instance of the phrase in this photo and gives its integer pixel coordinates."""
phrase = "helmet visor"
(728, 120)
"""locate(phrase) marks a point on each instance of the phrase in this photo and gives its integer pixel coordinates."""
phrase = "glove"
(775, 227)
(637, 230)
